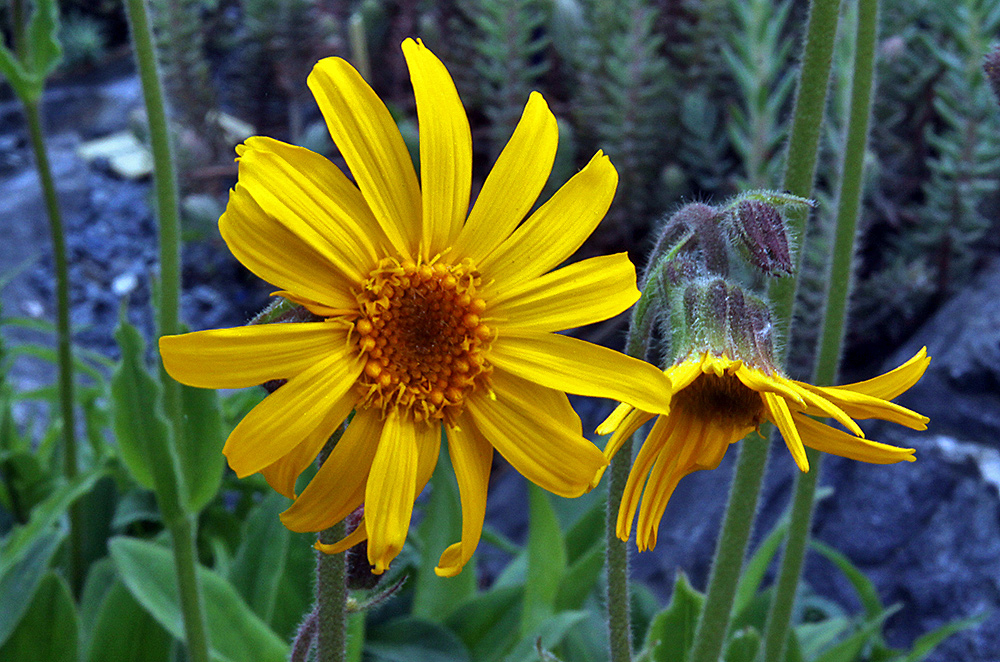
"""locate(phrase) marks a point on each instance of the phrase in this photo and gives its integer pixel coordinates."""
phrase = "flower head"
(429, 319)
(718, 400)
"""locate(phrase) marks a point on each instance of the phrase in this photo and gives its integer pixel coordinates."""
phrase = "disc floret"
(422, 339)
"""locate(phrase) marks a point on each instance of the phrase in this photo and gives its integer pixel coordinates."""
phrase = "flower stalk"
(33, 114)
(331, 599)
(832, 335)
(182, 525)
(800, 172)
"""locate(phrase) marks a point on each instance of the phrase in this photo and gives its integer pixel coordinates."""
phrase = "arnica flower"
(432, 315)
(718, 400)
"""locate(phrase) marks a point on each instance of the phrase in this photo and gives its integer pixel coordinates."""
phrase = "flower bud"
(760, 231)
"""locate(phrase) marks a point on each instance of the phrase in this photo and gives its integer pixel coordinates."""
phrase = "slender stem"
(730, 550)
(617, 561)
(800, 164)
(65, 348)
(331, 599)
(182, 526)
(831, 338)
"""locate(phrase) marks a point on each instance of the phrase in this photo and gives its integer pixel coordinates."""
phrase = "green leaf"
(43, 517)
(199, 449)
(16, 75)
(587, 533)
(49, 629)
(551, 632)
(867, 593)
(814, 637)
(926, 643)
(20, 581)
(101, 576)
(261, 558)
(44, 51)
(756, 567)
(434, 597)
(411, 639)
(546, 560)
(235, 632)
(487, 623)
(125, 632)
(743, 646)
(580, 578)
(671, 633)
(135, 405)
(849, 649)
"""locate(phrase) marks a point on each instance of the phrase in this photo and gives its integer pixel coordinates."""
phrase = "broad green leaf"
(550, 631)
(586, 533)
(580, 578)
(867, 593)
(546, 561)
(487, 622)
(44, 51)
(411, 639)
(434, 597)
(135, 405)
(49, 630)
(20, 581)
(199, 449)
(15, 73)
(260, 560)
(295, 590)
(235, 632)
(743, 646)
(671, 633)
(926, 643)
(125, 632)
(43, 517)
(101, 576)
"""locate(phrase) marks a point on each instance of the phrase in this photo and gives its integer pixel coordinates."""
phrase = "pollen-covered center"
(726, 400)
(422, 338)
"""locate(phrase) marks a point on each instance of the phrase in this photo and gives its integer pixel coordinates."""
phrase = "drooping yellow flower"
(430, 318)
(718, 401)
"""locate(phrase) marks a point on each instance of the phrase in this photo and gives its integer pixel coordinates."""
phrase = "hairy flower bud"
(760, 231)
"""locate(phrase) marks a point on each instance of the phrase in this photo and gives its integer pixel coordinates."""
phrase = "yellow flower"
(717, 401)
(430, 319)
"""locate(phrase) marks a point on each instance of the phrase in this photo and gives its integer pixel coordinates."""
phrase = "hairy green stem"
(832, 335)
(800, 169)
(182, 526)
(617, 561)
(331, 599)
(65, 349)
(730, 550)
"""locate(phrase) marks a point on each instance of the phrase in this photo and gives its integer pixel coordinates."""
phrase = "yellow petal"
(513, 184)
(471, 457)
(557, 228)
(359, 534)
(445, 148)
(860, 406)
(369, 141)
(894, 382)
(582, 293)
(819, 406)
(830, 440)
(657, 440)
(539, 446)
(583, 368)
(782, 417)
(283, 474)
(390, 489)
(314, 307)
(285, 418)
(755, 380)
(250, 355)
(339, 485)
(311, 196)
(630, 424)
(615, 419)
(682, 375)
(275, 251)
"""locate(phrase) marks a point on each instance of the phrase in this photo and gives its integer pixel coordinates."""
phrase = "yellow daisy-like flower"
(430, 318)
(718, 401)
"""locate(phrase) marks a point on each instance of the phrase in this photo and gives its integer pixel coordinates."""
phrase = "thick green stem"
(65, 348)
(730, 550)
(617, 561)
(832, 335)
(182, 526)
(331, 599)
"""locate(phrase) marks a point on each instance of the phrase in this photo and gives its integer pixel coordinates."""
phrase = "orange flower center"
(422, 338)
(725, 400)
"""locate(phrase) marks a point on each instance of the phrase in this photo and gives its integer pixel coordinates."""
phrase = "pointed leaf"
(926, 643)
(261, 558)
(671, 633)
(20, 581)
(487, 623)
(44, 52)
(235, 632)
(49, 629)
(125, 632)
(199, 449)
(546, 560)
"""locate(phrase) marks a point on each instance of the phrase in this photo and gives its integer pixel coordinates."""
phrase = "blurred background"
(691, 100)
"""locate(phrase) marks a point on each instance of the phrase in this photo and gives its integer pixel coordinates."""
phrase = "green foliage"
(49, 629)
(37, 52)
